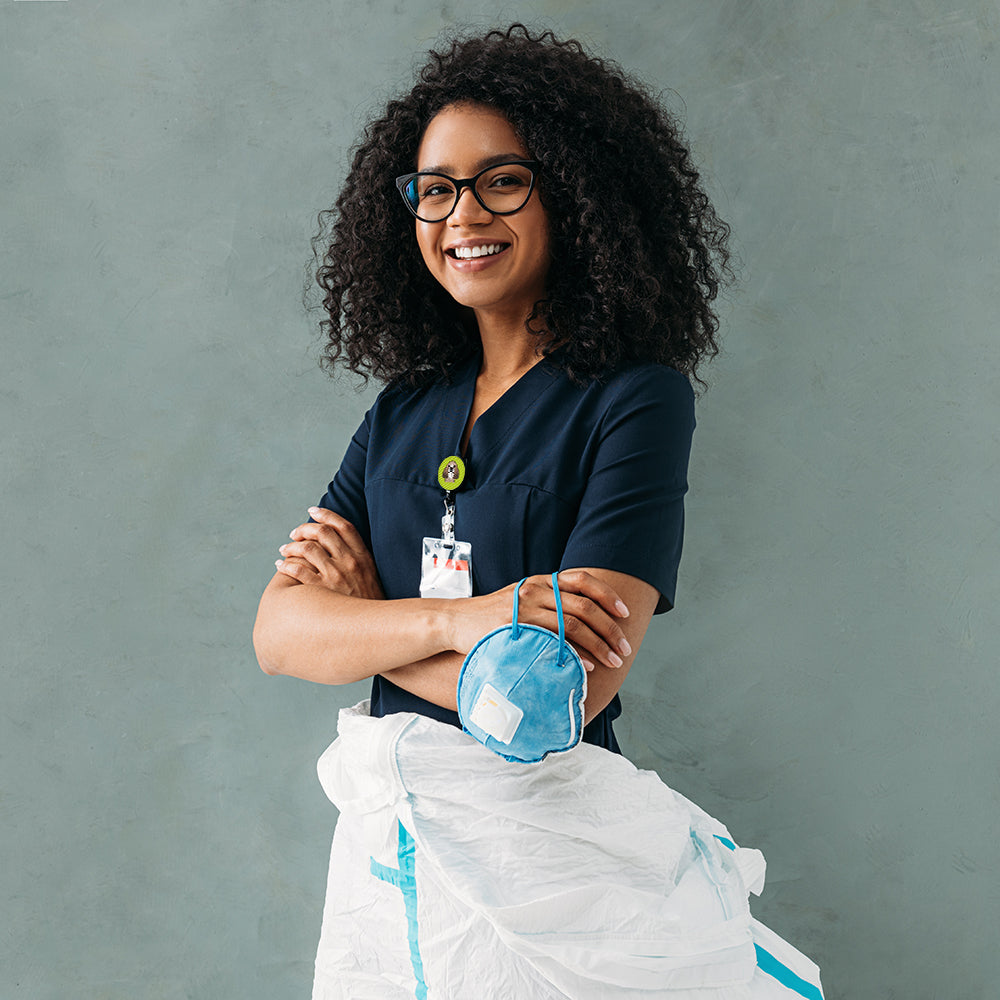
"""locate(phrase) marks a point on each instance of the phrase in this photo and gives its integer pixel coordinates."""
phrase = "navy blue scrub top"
(557, 476)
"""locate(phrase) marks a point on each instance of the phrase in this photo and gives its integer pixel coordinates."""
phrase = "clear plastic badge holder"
(446, 568)
(446, 563)
(522, 689)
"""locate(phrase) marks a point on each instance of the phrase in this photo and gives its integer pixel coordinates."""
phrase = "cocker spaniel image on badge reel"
(522, 688)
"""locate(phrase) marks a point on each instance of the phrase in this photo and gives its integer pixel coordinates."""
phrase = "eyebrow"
(482, 164)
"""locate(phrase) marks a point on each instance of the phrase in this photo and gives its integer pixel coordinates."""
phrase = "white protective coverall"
(456, 875)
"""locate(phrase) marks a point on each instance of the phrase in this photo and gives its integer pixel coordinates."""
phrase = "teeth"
(468, 253)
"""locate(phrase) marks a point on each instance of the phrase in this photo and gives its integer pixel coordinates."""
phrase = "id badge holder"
(446, 568)
(446, 563)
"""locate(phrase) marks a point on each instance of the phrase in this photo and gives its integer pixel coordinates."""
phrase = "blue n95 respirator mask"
(522, 688)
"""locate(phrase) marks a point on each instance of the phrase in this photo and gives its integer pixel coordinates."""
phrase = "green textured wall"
(827, 684)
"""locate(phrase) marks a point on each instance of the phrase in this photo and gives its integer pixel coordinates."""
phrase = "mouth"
(476, 252)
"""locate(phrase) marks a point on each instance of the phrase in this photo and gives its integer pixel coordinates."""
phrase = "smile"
(471, 253)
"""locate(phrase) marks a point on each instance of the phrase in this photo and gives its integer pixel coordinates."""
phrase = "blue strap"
(559, 615)
(404, 878)
(515, 630)
(766, 962)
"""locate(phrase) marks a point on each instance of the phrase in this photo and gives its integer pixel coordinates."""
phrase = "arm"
(436, 679)
(604, 683)
(320, 635)
(323, 618)
(628, 525)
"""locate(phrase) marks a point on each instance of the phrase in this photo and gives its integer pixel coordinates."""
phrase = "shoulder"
(650, 379)
(651, 390)
(399, 398)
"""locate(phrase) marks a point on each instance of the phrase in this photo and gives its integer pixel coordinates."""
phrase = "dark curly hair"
(638, 253)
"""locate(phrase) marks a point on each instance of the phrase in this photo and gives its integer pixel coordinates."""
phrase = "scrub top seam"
(460, 492)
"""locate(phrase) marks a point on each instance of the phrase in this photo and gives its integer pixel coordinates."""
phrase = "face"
(460, 141)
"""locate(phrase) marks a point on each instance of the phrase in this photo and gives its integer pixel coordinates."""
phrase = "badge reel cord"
(446, 562)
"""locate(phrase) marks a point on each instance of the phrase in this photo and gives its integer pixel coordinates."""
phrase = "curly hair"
(638, 252)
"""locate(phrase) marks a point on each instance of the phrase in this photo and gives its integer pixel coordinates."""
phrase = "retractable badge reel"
(446, 564)
(522, 689)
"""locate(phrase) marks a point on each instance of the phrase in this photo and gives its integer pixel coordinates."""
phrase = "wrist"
(442, 620)
(436, 622)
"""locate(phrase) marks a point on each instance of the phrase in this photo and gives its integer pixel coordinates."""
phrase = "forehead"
(461, 138)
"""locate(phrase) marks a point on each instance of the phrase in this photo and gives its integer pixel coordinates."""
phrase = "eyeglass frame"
(534, 166)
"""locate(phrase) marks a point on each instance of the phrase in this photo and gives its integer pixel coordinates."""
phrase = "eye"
(507, 180)
(435, 188)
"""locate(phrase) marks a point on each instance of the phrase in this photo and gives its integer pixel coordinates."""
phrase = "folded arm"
(436, 678)
(323, 618)
(308, 631)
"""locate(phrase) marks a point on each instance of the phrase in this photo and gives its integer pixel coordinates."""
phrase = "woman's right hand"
(328, 552)
(591, 611)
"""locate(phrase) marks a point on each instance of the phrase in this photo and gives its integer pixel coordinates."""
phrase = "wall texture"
(827, 684)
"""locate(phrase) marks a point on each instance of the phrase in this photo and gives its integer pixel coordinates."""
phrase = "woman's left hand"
(328, 552)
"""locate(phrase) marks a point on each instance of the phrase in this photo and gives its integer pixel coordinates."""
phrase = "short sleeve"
(631, 515)
(346, 494)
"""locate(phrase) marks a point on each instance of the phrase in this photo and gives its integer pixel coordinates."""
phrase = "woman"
(536, 291)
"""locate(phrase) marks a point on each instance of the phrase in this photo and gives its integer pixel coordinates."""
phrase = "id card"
(446, 568)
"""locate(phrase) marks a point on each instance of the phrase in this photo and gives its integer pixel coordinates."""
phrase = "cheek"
(427, 241)
(538, 234)
(541, 243)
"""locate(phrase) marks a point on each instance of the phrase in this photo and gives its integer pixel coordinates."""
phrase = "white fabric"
(580, 876)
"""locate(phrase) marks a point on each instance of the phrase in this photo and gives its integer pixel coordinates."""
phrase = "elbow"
(269, 668)
(266, 655)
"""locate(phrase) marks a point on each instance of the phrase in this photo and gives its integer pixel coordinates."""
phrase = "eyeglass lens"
(501, 189)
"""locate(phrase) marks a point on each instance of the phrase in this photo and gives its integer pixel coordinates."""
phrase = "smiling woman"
(537, 302)
(494, 262)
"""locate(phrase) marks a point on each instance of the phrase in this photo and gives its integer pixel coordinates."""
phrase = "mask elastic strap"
(559, 615)
(515, 629)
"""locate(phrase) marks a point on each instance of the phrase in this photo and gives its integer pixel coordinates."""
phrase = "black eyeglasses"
(501, 189)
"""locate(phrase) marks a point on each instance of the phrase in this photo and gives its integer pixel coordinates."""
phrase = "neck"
(508, 349)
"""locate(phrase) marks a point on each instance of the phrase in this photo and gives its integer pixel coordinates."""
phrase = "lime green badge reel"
(522, 688)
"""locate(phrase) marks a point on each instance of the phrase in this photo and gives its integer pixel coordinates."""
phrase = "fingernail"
(625, 647)
(278, 563)
(588, 666)
(622, 610)
(615, 660)
(313, 510)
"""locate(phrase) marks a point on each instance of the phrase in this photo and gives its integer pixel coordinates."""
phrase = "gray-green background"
(827, 684)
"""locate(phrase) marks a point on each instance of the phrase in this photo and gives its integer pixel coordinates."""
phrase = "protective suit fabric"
(456, 874)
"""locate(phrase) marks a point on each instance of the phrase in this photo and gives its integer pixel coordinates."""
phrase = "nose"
(468, 211)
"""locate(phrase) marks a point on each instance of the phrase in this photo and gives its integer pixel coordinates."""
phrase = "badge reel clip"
(446, 564)
(522, 688)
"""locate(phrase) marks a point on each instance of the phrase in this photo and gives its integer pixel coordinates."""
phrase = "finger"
(332, 544)
(581, 582)
(598, 620)
(589, 642)
(347, 532)
(340, 540)
(311, 552)
(585, 624)
(297, 569)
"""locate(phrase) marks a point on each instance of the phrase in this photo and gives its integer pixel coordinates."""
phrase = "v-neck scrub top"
(558, 476)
